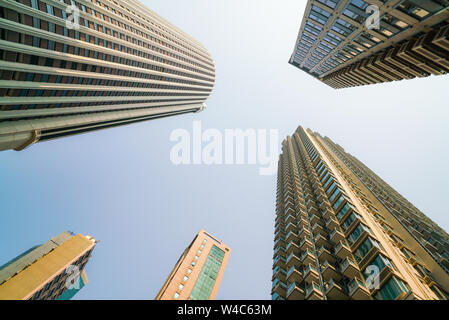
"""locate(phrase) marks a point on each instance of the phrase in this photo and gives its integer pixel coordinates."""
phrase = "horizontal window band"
(23, 9)
(31, 68)
(11, 84)
(77, 99)
(17, 115)
(44, 34)
(193, 44)
(34, 51)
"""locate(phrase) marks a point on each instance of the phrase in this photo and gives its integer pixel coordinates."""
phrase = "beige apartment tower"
(54, 270)
(348, 43)
(198, 273)
(341, 232)
(73, 66)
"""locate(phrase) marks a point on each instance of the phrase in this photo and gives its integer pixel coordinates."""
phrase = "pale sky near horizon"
(119, 186)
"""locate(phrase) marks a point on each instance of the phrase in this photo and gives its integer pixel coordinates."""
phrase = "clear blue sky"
(119, 185)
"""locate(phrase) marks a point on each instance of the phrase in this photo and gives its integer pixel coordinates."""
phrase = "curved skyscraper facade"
(73, 66)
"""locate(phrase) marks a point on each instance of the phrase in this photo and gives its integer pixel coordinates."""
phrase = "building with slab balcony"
(348, 43)
(341, 232)
(74, 66)
(198, 273)
(54, 270)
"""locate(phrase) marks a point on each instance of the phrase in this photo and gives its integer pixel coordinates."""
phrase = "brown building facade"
(198, 273)
(54, 270)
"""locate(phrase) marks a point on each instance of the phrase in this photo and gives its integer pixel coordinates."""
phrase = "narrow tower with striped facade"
(198, 273)
(73, 66)
(341, 232)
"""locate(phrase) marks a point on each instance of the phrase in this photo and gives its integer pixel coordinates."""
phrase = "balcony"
(289, 206)
(275, 296)
(279, 242)
(331, 223)
(291, 236)
(293, 260)
(313, 210)
(300, 206)
(308, 257)
(311, 274)
(279, 234)
(349, 268)
(429, 280)
(328, 272)
(292, 247)
(288, 194)
(313, 292)
(320, 240)
(306, 244)
(342, 250)
(291, 227)
(279, 273)
(398, 243)
(321, 195)
(324, 204)
(279, 287)
(316, 185)
(290, 219)
(304, 233)
(442, 38)
(309, 199)
(358, 290)
(279, 261)
(280, 251)
(314, 219)
(295, 292)
(412, 261)
(335, 291)
(302, 223)
(337, 236)
(317, 228)
(294, 274)
(289, 212)
(324, 254)
(328, 214)
(279, 221)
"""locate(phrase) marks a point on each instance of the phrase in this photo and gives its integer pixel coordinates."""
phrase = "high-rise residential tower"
(54, 270)
(341, 232)
(198, 273)
(347, 43)
(73, 66)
